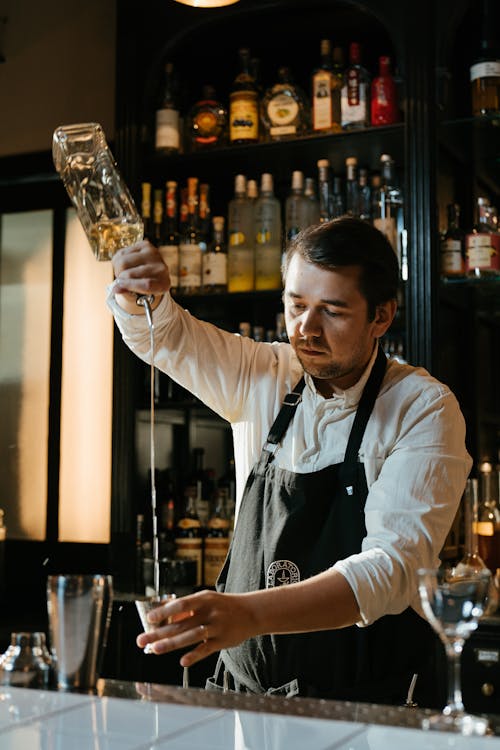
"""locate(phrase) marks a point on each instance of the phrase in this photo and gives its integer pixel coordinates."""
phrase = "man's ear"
(384, 315)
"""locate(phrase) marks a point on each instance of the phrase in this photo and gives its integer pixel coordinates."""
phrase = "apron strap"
(348, 469)
(285, 414)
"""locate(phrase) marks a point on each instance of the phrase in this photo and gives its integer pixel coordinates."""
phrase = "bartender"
(349, 467)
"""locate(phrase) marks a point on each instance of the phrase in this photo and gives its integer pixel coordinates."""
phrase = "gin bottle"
(267, 237)
(241, 239)
(297, 208)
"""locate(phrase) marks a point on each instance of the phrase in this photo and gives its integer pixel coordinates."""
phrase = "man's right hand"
(140, 269)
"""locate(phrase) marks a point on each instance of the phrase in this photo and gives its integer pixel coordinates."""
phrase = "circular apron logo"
(281, 573)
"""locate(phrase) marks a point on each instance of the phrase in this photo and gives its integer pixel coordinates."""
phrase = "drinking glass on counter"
(453, 600)
(144, 606)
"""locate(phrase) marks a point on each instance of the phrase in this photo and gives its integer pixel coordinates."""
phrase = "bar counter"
(142, 716)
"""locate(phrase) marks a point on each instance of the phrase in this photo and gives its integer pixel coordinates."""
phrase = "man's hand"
(140, 268)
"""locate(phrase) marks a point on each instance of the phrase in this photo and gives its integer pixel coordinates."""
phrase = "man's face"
(327, 323)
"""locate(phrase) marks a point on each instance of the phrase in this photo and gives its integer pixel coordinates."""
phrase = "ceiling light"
(207, 3)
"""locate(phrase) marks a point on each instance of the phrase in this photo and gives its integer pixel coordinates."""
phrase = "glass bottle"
(189, 246)
(240, 239)
(488, 526)
(485, 69)
(388, 205)
(189, 534)
(337, 203)
(326, 88)
(284, 109)
(208, 121)
(169, 246)
(267, 220)
(215, 260)
(168, 130)
(157, 216)
(452, 246)
(244, 104)
(216, 538)
(352, 187)
(355, 92)
(471, 557)
(364, 196)
(383, 102)
(146, 210)
(482, 245)
(297, 208)
(204, 215)
(324, 190)
(27, 662)
(310, 195)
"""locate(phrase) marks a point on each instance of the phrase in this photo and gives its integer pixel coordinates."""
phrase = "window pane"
(25, 310)
(87, 378)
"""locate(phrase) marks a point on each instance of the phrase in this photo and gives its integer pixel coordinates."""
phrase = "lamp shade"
(207, 3)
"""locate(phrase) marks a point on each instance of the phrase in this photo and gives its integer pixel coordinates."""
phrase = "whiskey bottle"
(383, 104)
(352, 187)
(208, 121)
(355, 92)
(169, 246)
(326, 88)
(485, 69)
(189, 247)
(189, 534)
(214, 262)
(364, 196)
(284, 109)
(146, 210)
(452, 246)
(168, 130)
(482, 245)
(157, 216)
(241, 239)
(324, 190)
(244, 104)
(267, 237)
(297, 208)
(216, 539)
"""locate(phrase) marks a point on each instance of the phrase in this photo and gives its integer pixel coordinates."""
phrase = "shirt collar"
(349, 396)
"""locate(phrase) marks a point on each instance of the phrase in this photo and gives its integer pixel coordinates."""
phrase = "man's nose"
(310, 324)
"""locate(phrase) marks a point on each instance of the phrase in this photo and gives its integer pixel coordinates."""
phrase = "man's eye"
(297, 307)
(332, 313)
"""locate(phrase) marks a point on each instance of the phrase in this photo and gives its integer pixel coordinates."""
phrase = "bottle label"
(354, 107)
(189, 265)
(489, 69)
(482, 251)
(244, 117)
(283, 111)
(452, 262)
(167, 129)
(206, 127)
(214, 269)
(170, 256)
(240, 269)
(322, 101)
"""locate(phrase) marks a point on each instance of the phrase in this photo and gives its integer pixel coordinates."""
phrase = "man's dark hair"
(350, 242)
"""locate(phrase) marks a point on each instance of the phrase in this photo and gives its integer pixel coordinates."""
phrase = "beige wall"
(59, 68)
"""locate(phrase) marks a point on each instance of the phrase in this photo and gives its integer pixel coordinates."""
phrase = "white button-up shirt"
(413, 449)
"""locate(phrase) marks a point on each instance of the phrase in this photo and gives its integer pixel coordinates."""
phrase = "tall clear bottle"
(388, 214)
(297, 208)
(324, 189)
(241, 250)
(337, 203)
(355, 100)
(168, 127)
(215, 260)
(352, 187)
(190, 246)
(169, 247)
(268, 244)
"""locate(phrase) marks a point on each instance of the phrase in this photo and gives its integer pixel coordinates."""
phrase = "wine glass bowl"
(453, 601)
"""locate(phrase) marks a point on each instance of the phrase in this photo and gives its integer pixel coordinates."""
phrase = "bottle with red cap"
(384, 104)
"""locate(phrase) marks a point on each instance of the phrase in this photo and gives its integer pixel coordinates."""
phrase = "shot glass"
(146, 605)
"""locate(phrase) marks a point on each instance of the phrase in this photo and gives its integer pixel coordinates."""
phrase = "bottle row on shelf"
(474, 254)
(342, 97)
(258, 225)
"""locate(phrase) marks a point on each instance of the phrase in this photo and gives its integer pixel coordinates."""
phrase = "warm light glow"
(207, 3)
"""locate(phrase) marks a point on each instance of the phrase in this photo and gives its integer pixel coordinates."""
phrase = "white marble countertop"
(155, 719)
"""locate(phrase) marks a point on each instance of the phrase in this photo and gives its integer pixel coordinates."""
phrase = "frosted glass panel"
(85, 470)
(25, 310)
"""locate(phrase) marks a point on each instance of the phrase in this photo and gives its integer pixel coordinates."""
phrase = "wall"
(59, 68)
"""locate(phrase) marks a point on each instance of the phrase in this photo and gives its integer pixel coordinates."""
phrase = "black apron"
(291, 527)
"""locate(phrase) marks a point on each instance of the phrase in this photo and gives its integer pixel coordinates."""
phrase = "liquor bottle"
(326, 88)
(485, 69)
(189, 534)
(337, 202)
(338, 71)
(383, 104)
(244, 104)
(252, 190)
(482, 245)
(284, 109)
(241, 239)
(146, 210)
(157, 216)
(207, 121)
(189, 246)
(488, 526)
(324, 190)
(313, 203)
(388, 205)
(168, 129)
(216, 539)
(352, 187)
(183, 210)
(452, 246)
(297, 208)
(169, 245)
(355, 92)
(267, 222)
(204, 215)
(214, 265)
(364, 196)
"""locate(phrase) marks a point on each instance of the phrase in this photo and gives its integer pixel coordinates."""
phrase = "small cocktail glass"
(453, 600)
(144, 606)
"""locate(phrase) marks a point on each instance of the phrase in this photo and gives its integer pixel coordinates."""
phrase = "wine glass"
(453, 600)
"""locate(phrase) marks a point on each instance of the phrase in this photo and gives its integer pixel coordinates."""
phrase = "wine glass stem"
(454, 654)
